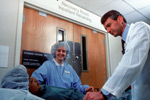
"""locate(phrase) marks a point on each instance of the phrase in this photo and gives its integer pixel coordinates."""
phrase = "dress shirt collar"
(124, 36)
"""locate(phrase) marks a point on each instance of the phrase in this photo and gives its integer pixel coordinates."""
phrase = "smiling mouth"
(61, 56)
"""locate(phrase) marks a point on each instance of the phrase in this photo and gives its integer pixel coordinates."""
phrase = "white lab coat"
(134, 67)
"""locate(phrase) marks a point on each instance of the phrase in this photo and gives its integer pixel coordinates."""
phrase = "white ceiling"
(133, 10)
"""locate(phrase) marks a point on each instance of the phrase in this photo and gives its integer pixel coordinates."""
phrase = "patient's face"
(34, 85)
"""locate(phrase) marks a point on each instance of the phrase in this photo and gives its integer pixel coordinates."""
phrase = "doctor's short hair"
(60, 44)
(113, 14)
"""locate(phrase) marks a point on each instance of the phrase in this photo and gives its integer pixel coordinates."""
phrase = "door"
(96, 59)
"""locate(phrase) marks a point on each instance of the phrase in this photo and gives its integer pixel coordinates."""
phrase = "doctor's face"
(114, 27)
(60, 54)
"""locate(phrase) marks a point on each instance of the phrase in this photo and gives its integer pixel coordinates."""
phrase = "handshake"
(91, 95)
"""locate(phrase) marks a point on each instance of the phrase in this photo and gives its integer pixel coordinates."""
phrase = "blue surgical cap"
(60, 44)
(16, 78)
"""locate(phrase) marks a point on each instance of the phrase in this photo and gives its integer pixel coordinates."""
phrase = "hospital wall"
(115, 49)
(8, 26)
(9, 10)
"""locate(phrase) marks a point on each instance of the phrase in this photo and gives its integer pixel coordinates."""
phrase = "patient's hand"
(34, 85)
(90, 89)
(93, 96)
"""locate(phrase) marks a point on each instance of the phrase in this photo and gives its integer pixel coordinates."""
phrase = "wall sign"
(69, 10)
(31, 59)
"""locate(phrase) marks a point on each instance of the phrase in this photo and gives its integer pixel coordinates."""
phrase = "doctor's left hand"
(93, 96)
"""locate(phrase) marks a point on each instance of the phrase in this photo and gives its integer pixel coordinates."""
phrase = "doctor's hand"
(93, 96)
(90, 89)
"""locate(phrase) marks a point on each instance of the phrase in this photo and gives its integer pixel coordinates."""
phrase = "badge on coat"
(67, 72)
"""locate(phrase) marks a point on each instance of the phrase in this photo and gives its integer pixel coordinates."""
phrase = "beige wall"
(8, 26)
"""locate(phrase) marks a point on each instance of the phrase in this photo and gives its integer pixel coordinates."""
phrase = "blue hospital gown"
(52, 74)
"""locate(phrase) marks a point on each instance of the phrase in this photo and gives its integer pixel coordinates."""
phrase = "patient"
(15, 85)
(54, 93)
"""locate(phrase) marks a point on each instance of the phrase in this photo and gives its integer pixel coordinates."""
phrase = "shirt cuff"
(107, 94)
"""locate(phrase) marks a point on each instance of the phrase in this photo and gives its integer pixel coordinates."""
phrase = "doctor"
(57, 72)
(134, 67)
